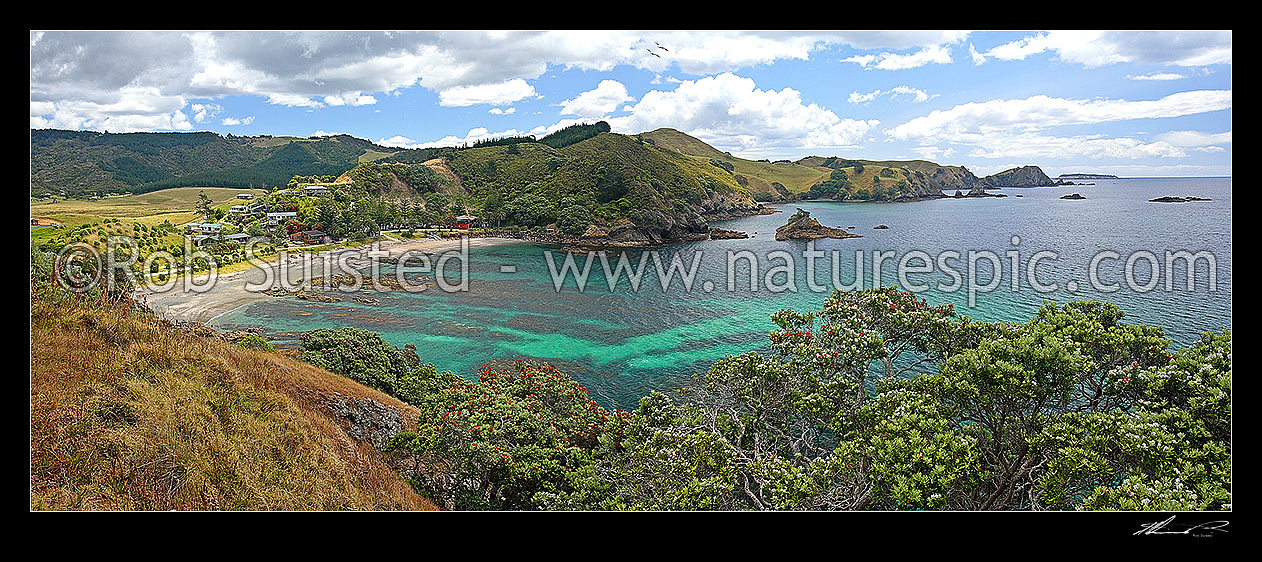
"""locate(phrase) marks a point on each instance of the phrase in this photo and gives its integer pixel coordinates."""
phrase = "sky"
(1130, 103)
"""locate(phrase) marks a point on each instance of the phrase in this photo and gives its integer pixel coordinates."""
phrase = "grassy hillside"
(128, 413)
(603, 168)
(818, 177)
(757, 177)
(77, 163)
(175, 205)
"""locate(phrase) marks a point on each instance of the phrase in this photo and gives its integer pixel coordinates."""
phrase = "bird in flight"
(654, 54)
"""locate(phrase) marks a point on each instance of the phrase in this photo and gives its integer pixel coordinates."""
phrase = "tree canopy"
(876, 401)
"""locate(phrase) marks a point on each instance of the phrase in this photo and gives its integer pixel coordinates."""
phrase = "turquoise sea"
(624, 343)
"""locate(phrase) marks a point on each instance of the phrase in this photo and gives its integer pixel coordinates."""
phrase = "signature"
(1200, 530)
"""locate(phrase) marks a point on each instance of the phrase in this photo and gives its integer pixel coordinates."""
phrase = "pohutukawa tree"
(877, 401)
(515, 433)
(880, 401)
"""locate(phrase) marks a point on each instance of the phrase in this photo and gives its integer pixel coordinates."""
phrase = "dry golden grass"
(129, 414)
(176, 205)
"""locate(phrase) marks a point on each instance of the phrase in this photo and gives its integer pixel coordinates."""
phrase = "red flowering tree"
(497, 442)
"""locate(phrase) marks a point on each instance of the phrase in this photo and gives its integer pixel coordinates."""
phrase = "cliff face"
(1025, 176)
(953, 177)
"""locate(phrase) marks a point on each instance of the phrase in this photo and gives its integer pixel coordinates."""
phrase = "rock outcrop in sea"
(724, 234)
(802, 227)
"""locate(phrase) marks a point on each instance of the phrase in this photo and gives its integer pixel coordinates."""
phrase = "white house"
(277, 217)
(204, 227)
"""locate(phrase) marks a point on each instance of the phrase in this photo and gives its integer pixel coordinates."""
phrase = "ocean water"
(623, 343)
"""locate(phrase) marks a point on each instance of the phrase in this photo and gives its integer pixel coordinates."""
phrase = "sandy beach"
(230, 292)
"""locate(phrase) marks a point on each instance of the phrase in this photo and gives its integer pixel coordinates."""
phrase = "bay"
(624, 343)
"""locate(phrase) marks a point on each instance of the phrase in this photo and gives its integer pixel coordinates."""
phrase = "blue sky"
(1123, 102)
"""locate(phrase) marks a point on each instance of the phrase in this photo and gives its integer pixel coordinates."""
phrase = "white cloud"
(1100, 48)
(600, 101)
(204, 111)
(936, 54)
(353, 99)
(1039, 112)
(498, 111)
(292, 100)
(1034, 146)
(1195, 138)
(42, 108)
(917, 95)
(503, 93)
(1013, 128)
(398, 141)
(731, 113)
(1156, 76)
(131, 109)
(474, 135)
(933, 152)
(231, 121)
(545, 130)
(856, 97)
(316, 69)
(977, 57)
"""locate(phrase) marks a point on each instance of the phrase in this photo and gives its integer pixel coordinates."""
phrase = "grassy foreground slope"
(128, 413)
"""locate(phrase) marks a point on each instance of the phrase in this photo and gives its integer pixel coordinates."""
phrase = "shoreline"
(229, 292)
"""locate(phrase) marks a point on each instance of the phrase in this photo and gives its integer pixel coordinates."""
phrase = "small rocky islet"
(802, 227)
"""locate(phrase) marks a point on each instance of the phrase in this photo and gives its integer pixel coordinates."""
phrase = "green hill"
(757, 177)
(82, 162)
(817, 177)
(608, 180)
